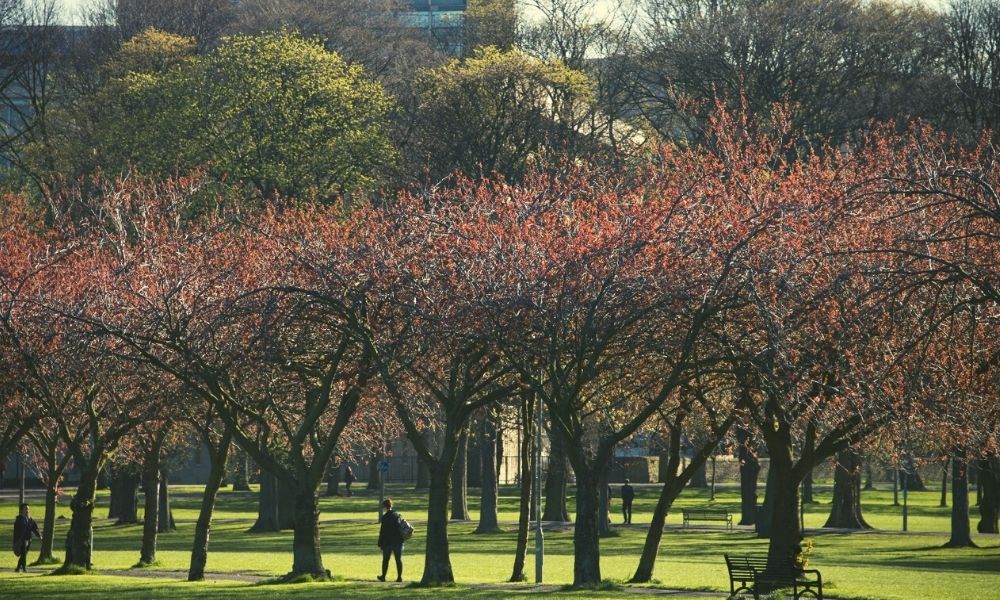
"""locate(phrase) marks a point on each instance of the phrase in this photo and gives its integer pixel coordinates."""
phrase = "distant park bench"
(753, 576)
(708, 514)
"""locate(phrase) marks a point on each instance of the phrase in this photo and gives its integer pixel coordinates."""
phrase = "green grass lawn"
(882, 564)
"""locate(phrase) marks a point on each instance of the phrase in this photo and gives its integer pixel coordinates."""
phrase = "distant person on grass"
(628, 495)
(24, 528)
(348, 480)
(390, 540)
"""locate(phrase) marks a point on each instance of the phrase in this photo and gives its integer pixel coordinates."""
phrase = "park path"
(520, 587)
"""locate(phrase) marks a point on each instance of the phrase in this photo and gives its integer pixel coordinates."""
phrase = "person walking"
(24, 528)
(628, 494)
(607, 510)
(390, 540)
(348, 480)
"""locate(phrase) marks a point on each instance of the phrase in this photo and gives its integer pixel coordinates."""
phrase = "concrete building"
(443, 20)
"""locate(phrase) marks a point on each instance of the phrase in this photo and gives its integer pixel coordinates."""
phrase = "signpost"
(906, 477)
(383, 469)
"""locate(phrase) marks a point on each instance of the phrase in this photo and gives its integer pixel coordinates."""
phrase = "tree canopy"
(274, 113)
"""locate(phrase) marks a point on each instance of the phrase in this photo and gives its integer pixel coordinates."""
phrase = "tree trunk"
(604, 505)
(459, 480)
(151, 506)
(286, 507)
(975, 480)
(80, 537)
(498, 449)
(749, 470)
(151, 490)
(869, 483)
(267, 504)
(961, 535)
(488, 518)
(785, 532)
(651, 548)
(988, 477)
(765, 518)
(437, 559)
(845, 512)
(586, 534)
(807, 488)
(677, 479)
(202, 529)
(914, 483)
(49, 524)
(672, 488)
(662, 473)
(782, 496)
(165, 520)
(54, 468)
(333, 478)
(700, 479)
(423, 470)
(115, 496)
(555, 481)
(124, 502)
(104, 480)
(944, 484)
(130, 500)
(895, 486)
(474, 474)
(241, 482)
(307, 557)
(374, 475)
(526, 479)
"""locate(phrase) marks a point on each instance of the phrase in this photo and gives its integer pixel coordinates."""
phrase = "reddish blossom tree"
(215, 304)
(74, 379)
(941, 207)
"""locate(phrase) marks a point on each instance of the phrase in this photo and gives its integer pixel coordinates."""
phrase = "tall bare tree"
(973, 61)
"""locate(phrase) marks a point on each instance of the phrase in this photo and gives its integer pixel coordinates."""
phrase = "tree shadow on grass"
(94, 587)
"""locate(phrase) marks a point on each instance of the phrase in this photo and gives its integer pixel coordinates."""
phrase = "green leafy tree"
(97, 128)
(491, 23)
(275, 113)
(493, 111)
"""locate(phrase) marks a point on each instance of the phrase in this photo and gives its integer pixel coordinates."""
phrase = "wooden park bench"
(708, 514)
(750, 574)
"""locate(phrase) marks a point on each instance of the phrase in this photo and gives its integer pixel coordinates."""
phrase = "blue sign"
(383, 466)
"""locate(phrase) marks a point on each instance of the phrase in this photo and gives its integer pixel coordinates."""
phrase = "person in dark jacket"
(24, 528)
(608, 511)
(390, 540)
(628, 494)
(348, 480)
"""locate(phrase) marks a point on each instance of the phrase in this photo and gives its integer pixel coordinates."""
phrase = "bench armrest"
(819, 578)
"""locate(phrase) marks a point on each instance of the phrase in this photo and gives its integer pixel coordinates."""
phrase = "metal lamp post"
(20, 473)
(539, 541)
(906, 485)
